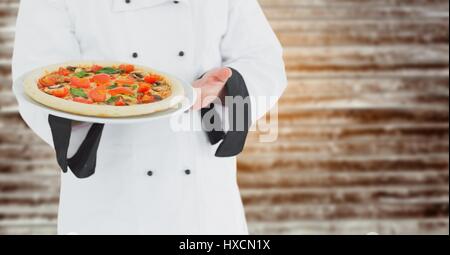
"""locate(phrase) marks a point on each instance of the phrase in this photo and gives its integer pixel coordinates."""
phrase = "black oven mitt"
(233, 140)
(84, 161)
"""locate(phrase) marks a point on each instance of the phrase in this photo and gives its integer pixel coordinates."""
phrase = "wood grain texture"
(362, 129)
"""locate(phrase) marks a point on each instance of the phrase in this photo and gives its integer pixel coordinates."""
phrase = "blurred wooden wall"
(363, 142)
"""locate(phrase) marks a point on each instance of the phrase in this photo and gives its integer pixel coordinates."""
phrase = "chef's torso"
(151, 178)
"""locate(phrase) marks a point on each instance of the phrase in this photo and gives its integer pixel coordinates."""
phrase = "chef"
(151, 178)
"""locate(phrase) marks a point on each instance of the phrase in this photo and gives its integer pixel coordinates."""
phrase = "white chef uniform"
(141, 185)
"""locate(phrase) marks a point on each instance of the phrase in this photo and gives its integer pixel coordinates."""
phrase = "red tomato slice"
(144, 87)
(83, 100)
(80, 82)
(120, 102)
(103, 87)
(121, 91)
(125, 81)
(127, 68)
(152, 78)
(63, 71)
(148, 99)
(62, 92)
(101, 79)
(97, 95)
(96, 68)
(48, 81)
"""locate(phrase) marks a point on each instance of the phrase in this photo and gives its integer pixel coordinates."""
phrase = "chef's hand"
(211, 86)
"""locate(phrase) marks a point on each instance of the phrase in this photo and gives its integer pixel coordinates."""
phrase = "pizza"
(103, 89)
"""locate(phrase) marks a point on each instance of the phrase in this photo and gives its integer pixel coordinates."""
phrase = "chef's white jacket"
(122, 197)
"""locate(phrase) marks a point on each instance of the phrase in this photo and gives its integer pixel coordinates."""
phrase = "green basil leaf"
(78, 93)
(81, 74)
(112, 86)
(108, 70)
(135, 87)
(112, 100)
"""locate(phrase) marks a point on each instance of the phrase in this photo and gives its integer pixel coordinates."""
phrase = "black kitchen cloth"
(84, 161)
(233, 140)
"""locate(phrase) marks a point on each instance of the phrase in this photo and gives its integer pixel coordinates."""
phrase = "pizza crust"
(32, 90)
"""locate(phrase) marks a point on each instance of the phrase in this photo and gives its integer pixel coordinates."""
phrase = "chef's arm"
(44, 36)
(251, 48)
(254, 55)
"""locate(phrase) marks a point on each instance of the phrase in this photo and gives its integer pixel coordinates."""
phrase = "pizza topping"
(48, 81)
(96, 68)
(71, 68)
(56, 86)
(78, 93)
(83, 100)
(148, 99)
(152, 78)
(81, 74)
(101, 79)
(144, 87)
(108, 70)
(80, 83)
(121, 91)
(120, 102)
(63, 71)
(138, 76)
(120, 85)
(127, 68)
(159, 88)
(62, 92)
(112, 99)
(129, 100)
(134, 87)
(125, 81)
(98, 95)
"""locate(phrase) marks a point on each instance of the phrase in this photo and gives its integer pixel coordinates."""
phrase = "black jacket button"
(181, 54)
(176, 2)
(187, 172)
(127, 1)
(150, 173)
(135, 55)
